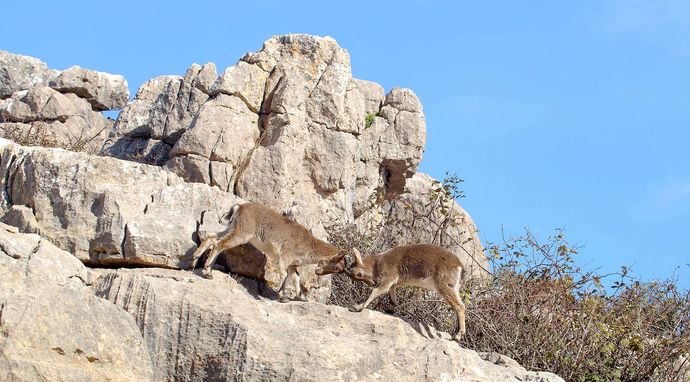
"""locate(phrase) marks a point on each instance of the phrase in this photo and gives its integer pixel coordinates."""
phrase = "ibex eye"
(359, 274)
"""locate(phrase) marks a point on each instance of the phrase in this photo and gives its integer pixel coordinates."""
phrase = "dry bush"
(35, 134)
(547, 313)
(428, 223)
(41, 133)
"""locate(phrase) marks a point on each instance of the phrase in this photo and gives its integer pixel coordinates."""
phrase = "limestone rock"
(245, 81)
(19, 72)
(103, 210)
(38, 103)
(163, 108)
(102, 90)
(225, 131)
(53, 327)
(287, 126)
(234, 335)
(43, 116)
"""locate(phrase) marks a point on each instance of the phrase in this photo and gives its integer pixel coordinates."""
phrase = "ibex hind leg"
(453, 298)
(289, 276)
(206, 244)
(232, 240)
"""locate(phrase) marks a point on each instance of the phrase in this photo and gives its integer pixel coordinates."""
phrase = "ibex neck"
(321, 251)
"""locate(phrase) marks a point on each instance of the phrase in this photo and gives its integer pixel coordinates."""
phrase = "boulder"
(103, 91)
(161, 111)
(37, 103)
(44, 117)
(219, 330)
(18, 72)
(103, 210)
(53, 327)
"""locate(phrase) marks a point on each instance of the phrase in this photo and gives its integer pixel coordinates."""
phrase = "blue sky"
(557, 114)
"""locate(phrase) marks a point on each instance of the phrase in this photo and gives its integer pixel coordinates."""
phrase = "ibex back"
(286, 242)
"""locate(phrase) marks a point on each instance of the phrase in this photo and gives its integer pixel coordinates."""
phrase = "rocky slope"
(287, 126)
(62, 321)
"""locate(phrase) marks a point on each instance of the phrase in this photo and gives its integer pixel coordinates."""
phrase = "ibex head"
(335, 264)
(360, 271)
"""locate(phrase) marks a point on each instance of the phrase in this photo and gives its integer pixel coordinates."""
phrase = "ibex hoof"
(283, 299)
(354, 309)
(207, 275)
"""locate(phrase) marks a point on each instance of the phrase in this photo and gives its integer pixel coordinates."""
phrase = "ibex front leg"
(379, 290)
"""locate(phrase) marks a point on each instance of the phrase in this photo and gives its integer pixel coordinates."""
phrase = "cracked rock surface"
(52, 325)
(51, 108)
(220, 330)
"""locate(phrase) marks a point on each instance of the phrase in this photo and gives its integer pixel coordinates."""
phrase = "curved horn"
(358, 257)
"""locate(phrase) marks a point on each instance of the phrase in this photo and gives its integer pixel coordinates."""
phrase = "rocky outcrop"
(161, 111)
(288, 127)
(62, 321)
(19, 72)
(102, 90)
(109, 212)
(217, 330)
(103, 210)
(44, 107)
(52, 325)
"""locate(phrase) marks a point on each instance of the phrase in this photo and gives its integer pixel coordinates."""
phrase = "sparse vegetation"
(546, 312)
(369, 120)
(40, 133)
(35, 134)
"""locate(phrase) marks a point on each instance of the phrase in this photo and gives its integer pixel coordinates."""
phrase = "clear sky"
(557, 114)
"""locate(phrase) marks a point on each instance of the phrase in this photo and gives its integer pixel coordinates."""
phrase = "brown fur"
(423, 265)
(286, 242)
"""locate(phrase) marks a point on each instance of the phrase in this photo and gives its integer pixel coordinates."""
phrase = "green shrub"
(369, 120)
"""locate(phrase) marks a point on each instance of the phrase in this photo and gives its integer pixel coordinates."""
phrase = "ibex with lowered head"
(424, 265)
(286, 242)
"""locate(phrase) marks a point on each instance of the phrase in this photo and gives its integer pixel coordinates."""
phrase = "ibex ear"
(358, 257)
(341, 255)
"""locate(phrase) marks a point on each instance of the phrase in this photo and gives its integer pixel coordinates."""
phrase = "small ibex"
(286, 242)
(424, 265)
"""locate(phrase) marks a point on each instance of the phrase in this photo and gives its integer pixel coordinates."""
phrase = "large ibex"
(423, 265)
(286, 242)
